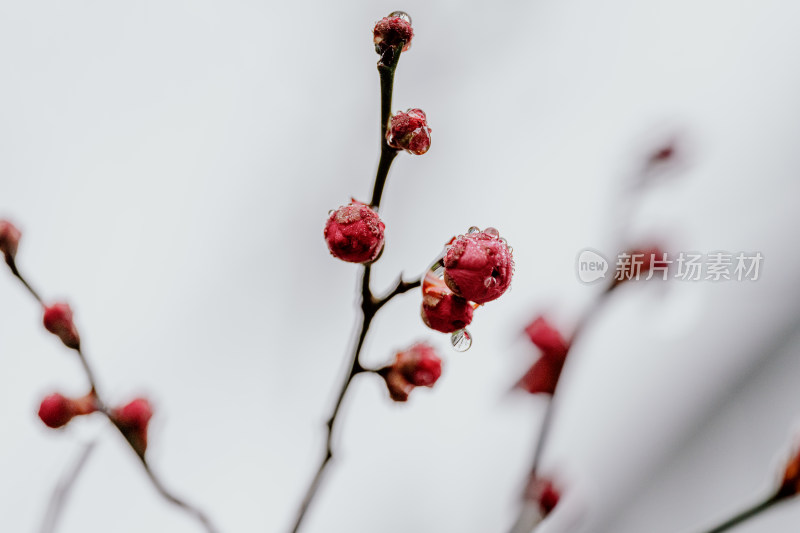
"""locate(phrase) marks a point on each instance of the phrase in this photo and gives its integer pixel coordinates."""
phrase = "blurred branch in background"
(57, 411)
(541, 495)
(63, 488)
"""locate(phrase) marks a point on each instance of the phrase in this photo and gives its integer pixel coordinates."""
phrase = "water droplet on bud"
(332, 211)
(461, 340)
(473, 229)
(436, 268)
(492, 231)
(401, 14)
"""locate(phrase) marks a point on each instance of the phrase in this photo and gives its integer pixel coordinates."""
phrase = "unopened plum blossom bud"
(543, 376)
(441, 309)
(409, 131)
(132, 419)
(479, 266)
(393, 30)
(354, 233)
(58, 321)
(636, 264)
(57, 410)
(446, 313)
(547, 338)
(418, 366)
(542, 492)
(9, 240)
(663, 154)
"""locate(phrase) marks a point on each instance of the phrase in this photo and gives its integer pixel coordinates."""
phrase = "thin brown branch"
(745, 515)
(63, 488)
(369, 304)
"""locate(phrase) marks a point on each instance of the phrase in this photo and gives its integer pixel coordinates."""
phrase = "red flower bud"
(790, 485)
(9, 240)
(479, 266)
(132, 419)
(638, 263)
(663, 154)
(547, 339)
(354, 233)
(58, 321)
(542, 377)
(56, 410)
(446, 313)
(418, 366)
(409, 131)
(392, 30)
(543, 492)
(399, 387)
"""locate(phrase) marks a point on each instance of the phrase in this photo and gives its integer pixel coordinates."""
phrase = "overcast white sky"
(171, 165)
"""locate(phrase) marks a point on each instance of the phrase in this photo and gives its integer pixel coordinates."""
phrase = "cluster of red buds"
(57, 410)
(474, 269)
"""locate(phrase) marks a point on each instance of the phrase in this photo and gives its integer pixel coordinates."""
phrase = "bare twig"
(745, 515)
(63, 488)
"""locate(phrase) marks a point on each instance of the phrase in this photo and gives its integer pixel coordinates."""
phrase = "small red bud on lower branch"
(58, 321)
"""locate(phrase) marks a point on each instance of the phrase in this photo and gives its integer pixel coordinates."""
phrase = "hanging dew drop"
(401, 14)
(461, 340)
(492, 232)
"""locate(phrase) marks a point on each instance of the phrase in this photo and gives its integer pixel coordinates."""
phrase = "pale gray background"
(171, 164)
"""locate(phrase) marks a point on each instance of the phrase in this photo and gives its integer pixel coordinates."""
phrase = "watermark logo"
(684, 266)
(591, 266)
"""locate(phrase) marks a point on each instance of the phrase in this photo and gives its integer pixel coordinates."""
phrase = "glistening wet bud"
(9, 240)
(392, 31)
(409, 131)
(418, 366)
(479, 266)
(58, 321)
(441, 309)
(354, 233)
(132, 419)
(446, 313)
(57, 410)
